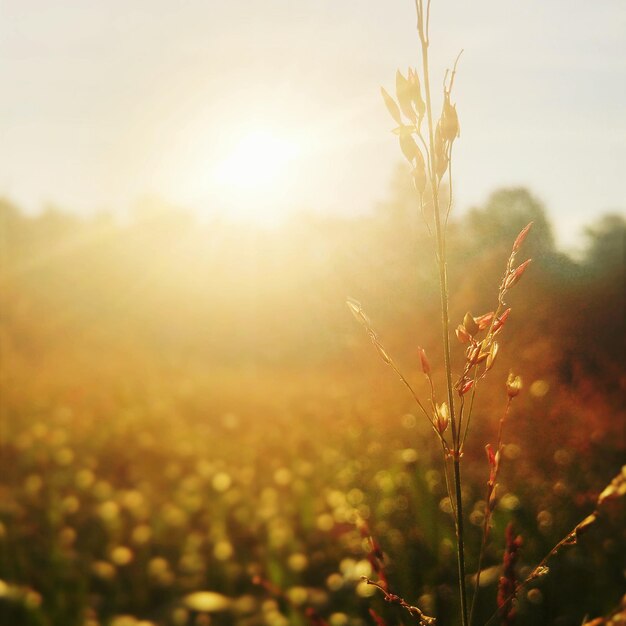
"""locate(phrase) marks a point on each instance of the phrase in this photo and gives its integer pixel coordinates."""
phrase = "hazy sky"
(102, 102)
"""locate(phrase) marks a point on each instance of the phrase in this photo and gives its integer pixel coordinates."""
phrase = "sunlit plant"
(426, 140)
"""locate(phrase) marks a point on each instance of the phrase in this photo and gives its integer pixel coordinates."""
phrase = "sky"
(258, 108)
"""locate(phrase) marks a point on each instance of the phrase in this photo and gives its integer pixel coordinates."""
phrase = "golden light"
(256, 180)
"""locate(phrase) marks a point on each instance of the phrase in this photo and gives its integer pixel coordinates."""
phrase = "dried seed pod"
(409, 148)
(391, 105)
(470, 324)
(517, 244)
(403, 93)
(484, 321)
(462, 335)
(499, 323)
(416, 94)
(449, 120)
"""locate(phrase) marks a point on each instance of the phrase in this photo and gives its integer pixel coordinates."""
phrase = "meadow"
(193, 426)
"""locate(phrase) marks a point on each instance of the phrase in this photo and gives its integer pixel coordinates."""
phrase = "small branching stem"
(488, 510)
(614, 490)
(392, 598)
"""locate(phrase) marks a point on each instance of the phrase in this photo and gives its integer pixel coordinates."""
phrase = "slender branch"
(539, 571)
(469, 411)
(392, 598)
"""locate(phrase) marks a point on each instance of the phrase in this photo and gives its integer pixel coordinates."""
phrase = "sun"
(258, 161)
(254, 179)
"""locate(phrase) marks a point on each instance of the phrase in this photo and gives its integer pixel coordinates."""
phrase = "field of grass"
(188, 411)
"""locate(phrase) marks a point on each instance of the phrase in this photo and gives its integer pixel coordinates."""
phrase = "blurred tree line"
(163, 284)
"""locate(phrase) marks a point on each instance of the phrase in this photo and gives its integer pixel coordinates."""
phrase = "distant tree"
(506, 212)
(600, 310)
(606, 246)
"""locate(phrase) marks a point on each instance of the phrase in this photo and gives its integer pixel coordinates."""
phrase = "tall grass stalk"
(423, 22)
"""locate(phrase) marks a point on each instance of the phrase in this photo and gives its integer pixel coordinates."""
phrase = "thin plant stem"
(443, 290)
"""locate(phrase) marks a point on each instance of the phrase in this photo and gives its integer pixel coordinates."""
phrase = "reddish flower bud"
(462, 335)
(520, 238)
(516, 274)
(424, 361)
(465, 387)
(484, 321)
(499, 323)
